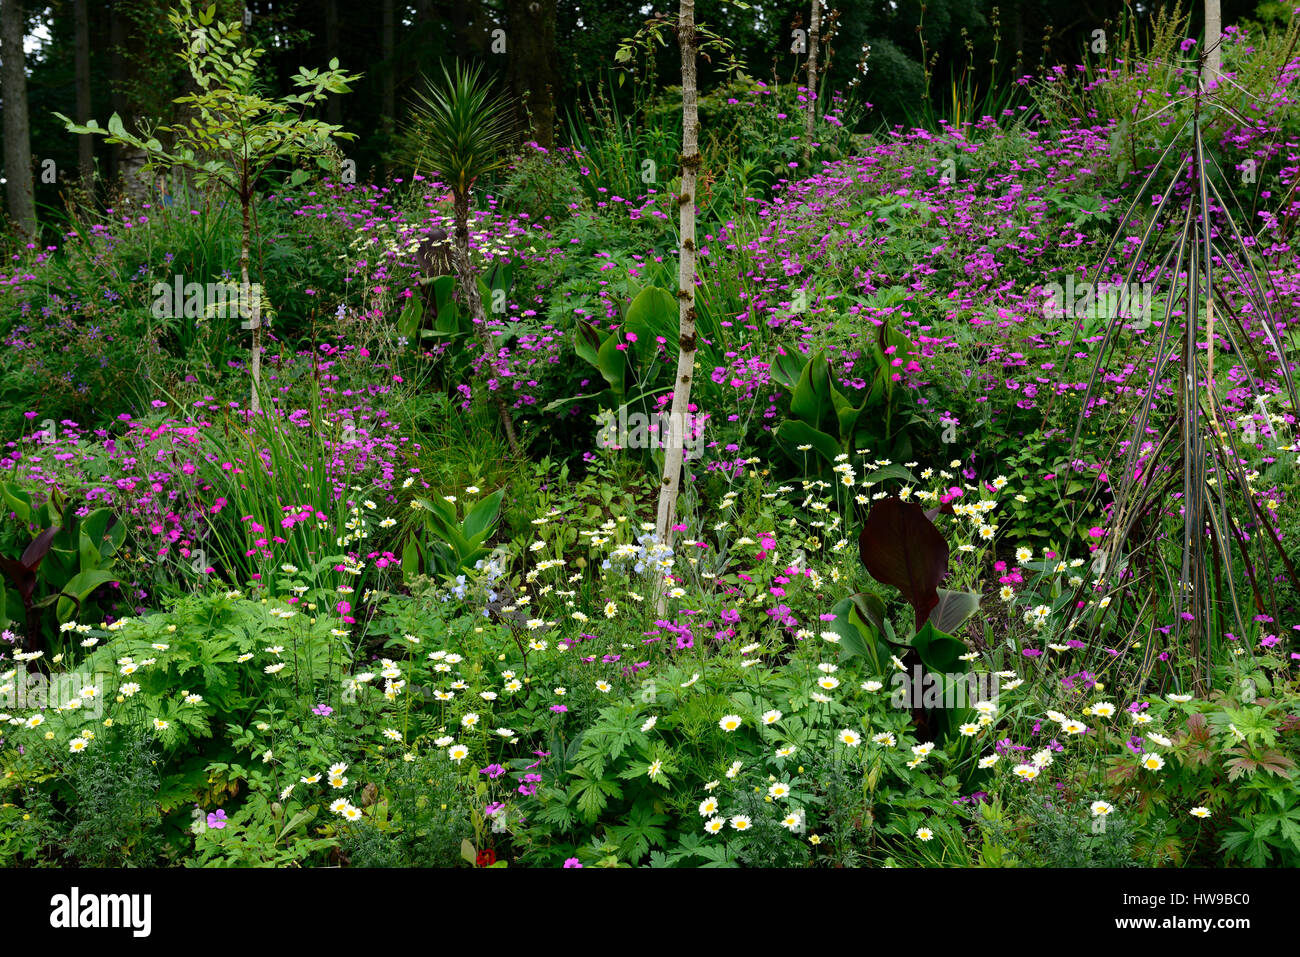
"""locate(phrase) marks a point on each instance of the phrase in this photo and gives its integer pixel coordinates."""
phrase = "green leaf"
(480, 519)
(587, 343)
(940, 653)
(653, 313)
(787, 367)
(613, 365)
(811, 400)
(953, 609)
(793, 433)
(80, 587)
(408, 321)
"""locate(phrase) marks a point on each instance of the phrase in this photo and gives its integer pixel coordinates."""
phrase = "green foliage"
(104, 810)
(458, 130)
(70, 559)
(1054, 831)
(451, 544)
(234, 136)
(827, 423)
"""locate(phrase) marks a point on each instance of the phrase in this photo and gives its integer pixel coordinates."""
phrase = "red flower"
(486, 858)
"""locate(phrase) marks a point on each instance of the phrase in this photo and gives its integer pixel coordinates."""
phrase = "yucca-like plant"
(1185, 527)
(462, 132)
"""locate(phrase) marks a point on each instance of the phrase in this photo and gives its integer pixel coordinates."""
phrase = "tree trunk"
(532, 66)
(1213, 44)
(126, 50)
(810, 118)
(19, 198)
(85, 144)
(334, 105)
(255, 321)
(388, 50)
(675, 448)
(477, 314)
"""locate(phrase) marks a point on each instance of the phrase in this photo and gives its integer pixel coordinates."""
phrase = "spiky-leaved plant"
(462, 132)
(1186, 528)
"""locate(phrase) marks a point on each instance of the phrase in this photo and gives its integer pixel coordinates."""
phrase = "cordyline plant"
(463, 133)
(1175, 452)
(233, 136)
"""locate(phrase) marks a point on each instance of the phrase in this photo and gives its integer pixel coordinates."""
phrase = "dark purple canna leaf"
(900, 546)
(35, 552)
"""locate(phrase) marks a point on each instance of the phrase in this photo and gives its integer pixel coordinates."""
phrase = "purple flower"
(493, 770)
(218, 820)
(559, 708)
(572, 862)
(323, 710)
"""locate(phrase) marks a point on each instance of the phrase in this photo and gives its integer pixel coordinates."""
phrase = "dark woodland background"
(558, 52)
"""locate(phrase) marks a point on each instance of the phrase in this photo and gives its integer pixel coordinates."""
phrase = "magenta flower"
(218, 820)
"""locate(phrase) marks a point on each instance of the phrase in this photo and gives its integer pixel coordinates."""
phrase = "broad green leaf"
(480, 519)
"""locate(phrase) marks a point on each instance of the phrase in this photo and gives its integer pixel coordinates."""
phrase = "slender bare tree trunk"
(810, 118)
(675, 450)
(389, 47)
(334, 105)
(85, 144)
(255, 321)
(18, 139)
(1213, 45)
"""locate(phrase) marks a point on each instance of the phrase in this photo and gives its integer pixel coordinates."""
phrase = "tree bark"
(126, 52)
(389, 48)
(1213, 44)
(85, 144)
(255, 321)
(334, 105)
(532, 66)
(675, 449)
(810, 118)
(19, 198)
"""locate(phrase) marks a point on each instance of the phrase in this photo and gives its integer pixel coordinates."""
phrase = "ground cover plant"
(736, 479)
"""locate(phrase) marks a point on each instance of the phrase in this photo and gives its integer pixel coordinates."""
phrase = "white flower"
(729, 722)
